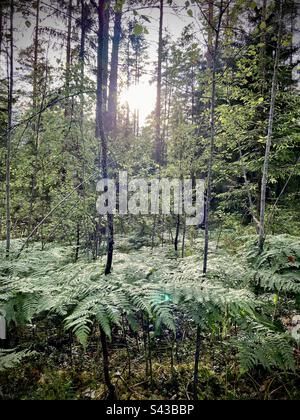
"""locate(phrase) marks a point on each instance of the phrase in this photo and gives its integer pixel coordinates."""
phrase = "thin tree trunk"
(127, 346)
(145, 345)
(247, 185)
(269, 136)
(183, 239)
(263, 49)
(9, 125)
(83, 28)
(193, 95)
(77, 242)
(136, 115)
(165, 105)
(128, 80)
(158, 140)
(35, 126)
(150, 355)
(177, 233)
(35, 59)
(210, 33)
(210, 173)
(105, 52)
(68, 56)
(100, 130)
(153, 232)
(113, 81)
(67, 106)
(197, 360)
(212, 138)
(81, 146)
(1, 26)
(105, 355)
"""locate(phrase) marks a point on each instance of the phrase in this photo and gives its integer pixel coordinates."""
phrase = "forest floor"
(62, 369)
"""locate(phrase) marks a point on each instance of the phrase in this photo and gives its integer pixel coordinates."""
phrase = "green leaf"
(138, 30)
(263, 25)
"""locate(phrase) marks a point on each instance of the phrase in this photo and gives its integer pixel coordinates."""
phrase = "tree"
(68, 54)
(1, 26)
(9, 129)
(269, 135)
(214, 53)
(36, 91)
(158, 139)
(113, 80)
(100, 114)
(217, 30)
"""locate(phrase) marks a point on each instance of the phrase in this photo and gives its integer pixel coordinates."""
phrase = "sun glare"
(140, 97)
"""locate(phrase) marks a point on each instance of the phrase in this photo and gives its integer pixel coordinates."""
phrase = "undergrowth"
(154, 300)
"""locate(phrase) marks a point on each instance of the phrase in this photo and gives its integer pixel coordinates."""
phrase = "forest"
(149, 200)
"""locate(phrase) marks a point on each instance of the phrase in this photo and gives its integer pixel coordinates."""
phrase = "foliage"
(79, 294)
(11, 358)
(212, 112)
(277, 267)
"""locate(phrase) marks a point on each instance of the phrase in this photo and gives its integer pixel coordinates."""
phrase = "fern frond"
(11, 358)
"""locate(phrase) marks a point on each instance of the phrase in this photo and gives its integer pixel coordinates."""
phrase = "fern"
(11, 358)
(266, 348)
(80, 295)
(278, 267)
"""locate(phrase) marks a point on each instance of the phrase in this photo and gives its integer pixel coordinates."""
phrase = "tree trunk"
(83, 28)
(1, 26)
(212, 138)
(183, 239)
(269, 136)
(100, 130)
(210, 33)
(158, 140)
(77, 249)
(68, 56)
(210, 174)
(197, 360)
(35, 59)
(177, 233)
(263, 49)
(9, 126)
(105, 52)
(113, 82)
(100, 133)
(102, 76)
(105, 355)
(247, 185)
(35, 126)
